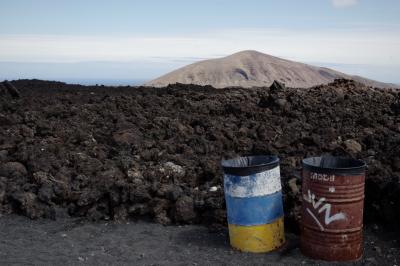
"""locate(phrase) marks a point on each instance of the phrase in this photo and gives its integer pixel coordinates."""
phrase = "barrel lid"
(249, 165)
(334, 165)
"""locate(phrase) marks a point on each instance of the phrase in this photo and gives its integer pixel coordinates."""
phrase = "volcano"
(254, 69)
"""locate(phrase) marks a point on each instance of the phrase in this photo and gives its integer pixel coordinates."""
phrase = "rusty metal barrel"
(332, 208)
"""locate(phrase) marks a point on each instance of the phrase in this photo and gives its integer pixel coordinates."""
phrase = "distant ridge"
(254, 69)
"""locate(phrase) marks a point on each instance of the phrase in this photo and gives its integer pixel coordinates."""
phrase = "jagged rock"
(281, 103)
(127, 137)
(3, 187)
(13, 169)
(277, 86)
(160, 211)
(184, 209)
(46, 193)
(174, 169)
(138, 209)
(293, 186)
(120, 213)
(3, 90)
(3, 156)
(12, 90)
(353, 146)
(140, 194)
(42, 177)
(265, 101)
(396, 164)
(30, 205)
(6, 120)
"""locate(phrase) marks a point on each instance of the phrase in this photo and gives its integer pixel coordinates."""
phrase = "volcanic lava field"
(125, 152)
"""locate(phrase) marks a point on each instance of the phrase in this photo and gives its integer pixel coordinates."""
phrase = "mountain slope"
(254, 69)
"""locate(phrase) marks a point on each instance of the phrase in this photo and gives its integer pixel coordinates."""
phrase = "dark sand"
(77, 242)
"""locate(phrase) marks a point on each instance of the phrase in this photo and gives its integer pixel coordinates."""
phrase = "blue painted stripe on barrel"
(254, 210)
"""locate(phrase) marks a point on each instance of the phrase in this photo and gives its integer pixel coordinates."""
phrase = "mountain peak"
(252, 54)
(249, 53)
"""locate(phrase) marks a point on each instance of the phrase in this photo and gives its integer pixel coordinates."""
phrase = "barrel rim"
(270, 162)
(359, 167)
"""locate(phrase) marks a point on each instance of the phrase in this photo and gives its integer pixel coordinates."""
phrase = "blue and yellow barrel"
(253, 195)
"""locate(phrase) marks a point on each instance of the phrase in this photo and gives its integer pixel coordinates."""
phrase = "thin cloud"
(353, 46)
(344, 3)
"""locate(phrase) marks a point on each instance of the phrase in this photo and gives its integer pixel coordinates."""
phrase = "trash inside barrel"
(332, 208)
(253, 195)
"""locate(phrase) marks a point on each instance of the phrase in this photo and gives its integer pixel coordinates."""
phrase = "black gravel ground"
(78, 242)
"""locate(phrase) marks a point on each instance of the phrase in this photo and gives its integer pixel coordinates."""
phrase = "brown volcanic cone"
(254, 69)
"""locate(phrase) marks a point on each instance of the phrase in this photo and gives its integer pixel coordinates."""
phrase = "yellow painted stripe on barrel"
(257, 238)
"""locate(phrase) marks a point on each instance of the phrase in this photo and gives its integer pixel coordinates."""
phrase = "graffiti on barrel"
(319, 205)
(322, 177)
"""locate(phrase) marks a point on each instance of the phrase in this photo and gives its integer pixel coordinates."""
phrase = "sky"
(120, 41)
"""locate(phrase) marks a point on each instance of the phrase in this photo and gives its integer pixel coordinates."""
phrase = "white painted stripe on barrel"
(260, 184)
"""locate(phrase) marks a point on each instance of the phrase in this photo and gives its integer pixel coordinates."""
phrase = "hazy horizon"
(130, 41)
(34, 70)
